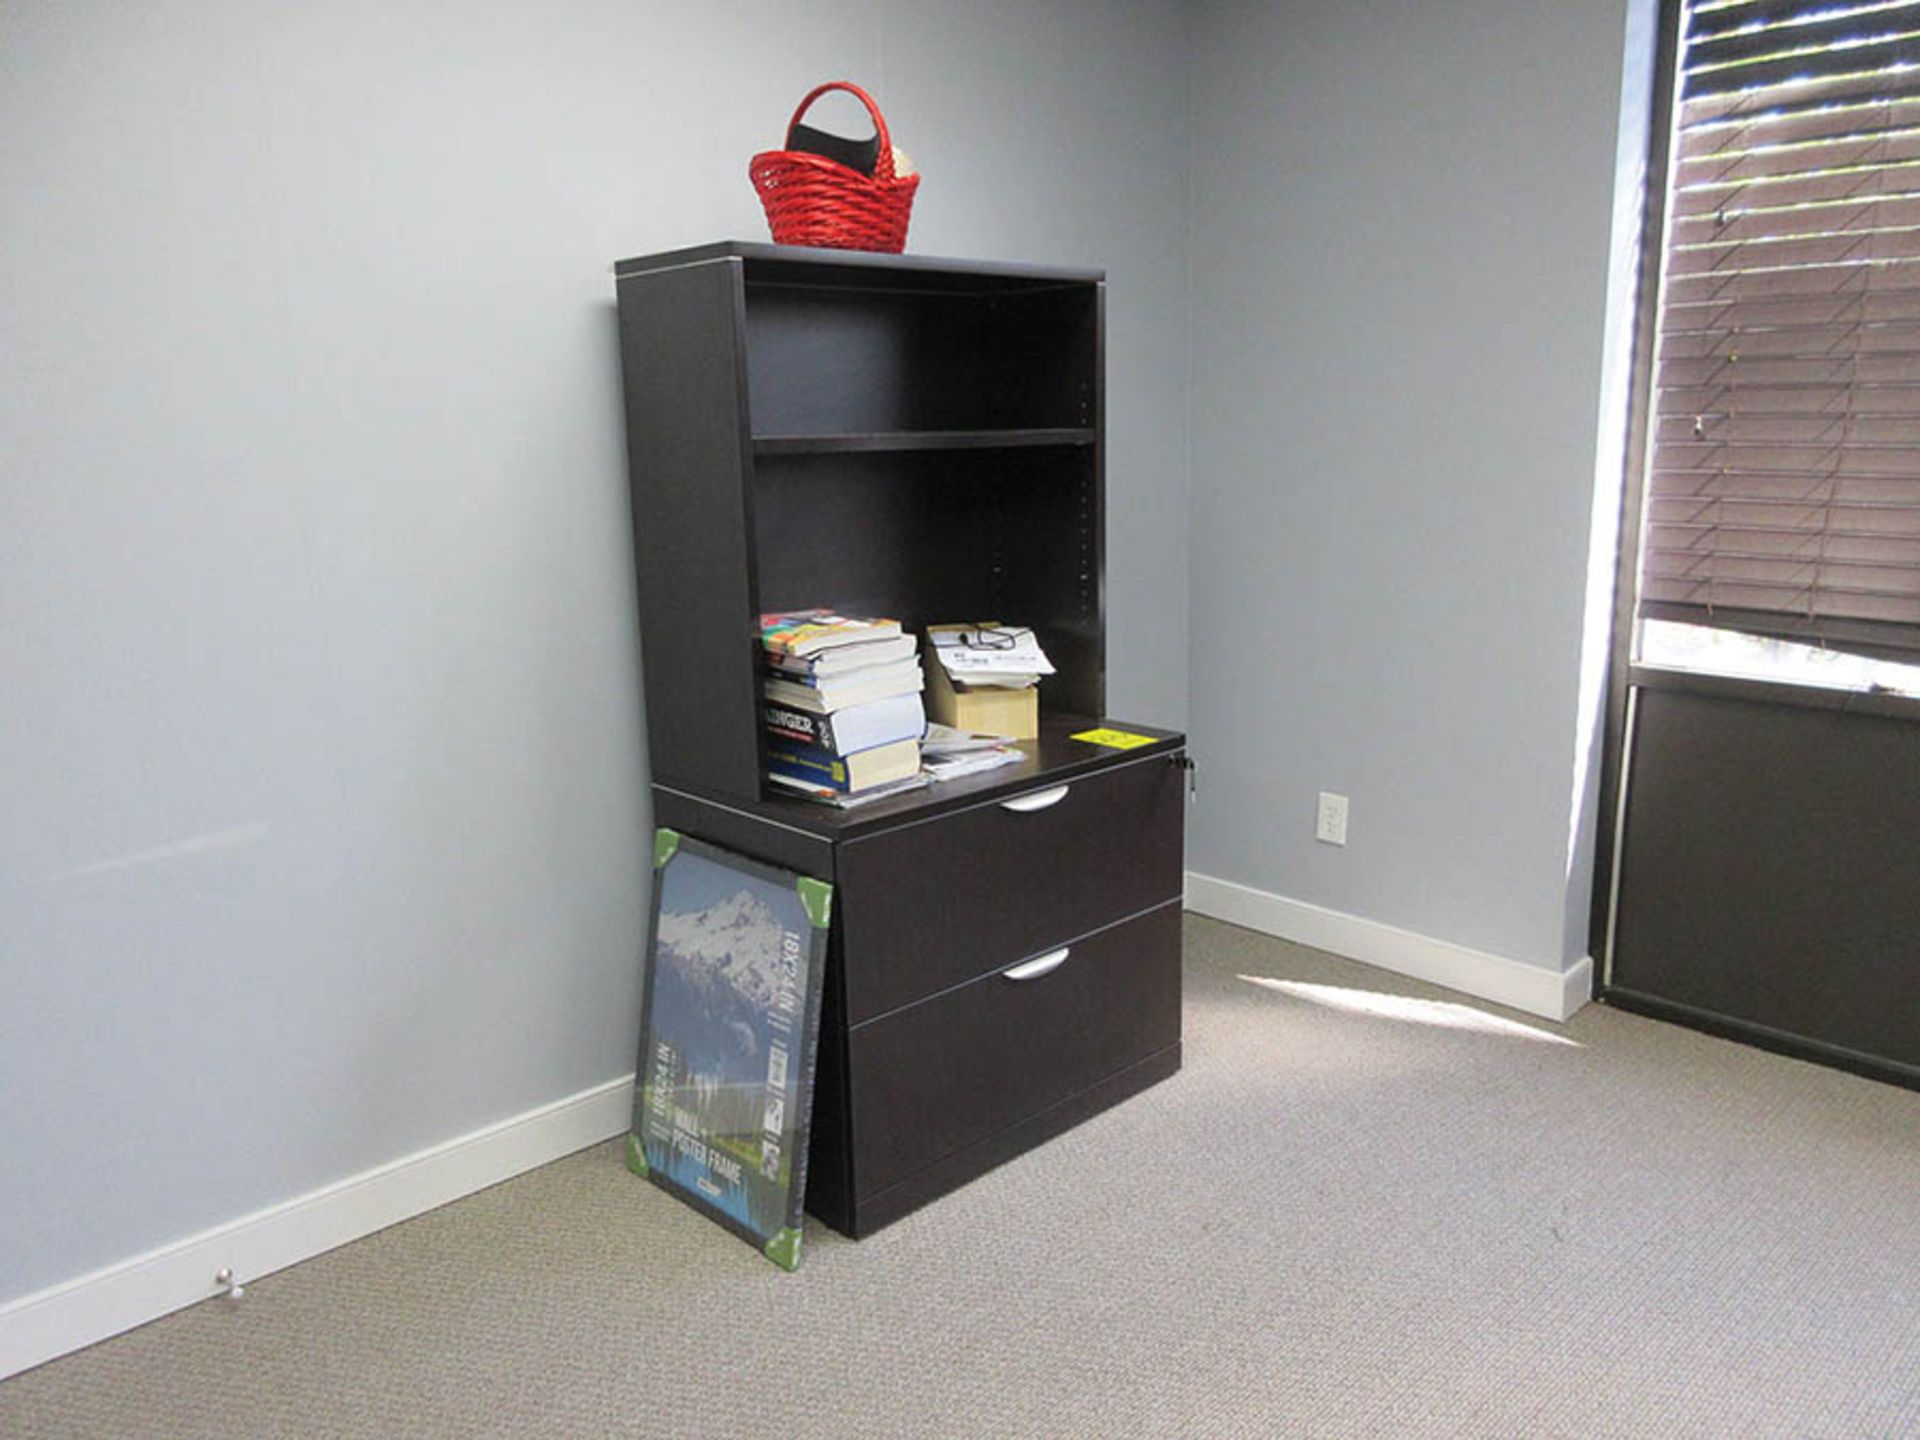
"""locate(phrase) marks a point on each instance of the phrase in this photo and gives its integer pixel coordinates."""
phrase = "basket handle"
(883, 157)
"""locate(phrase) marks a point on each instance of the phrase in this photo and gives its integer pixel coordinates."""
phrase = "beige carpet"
(1344, 1217)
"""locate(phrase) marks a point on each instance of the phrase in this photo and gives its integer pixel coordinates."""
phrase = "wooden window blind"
(1783, 491)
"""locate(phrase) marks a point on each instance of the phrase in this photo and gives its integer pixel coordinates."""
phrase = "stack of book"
(842, 706)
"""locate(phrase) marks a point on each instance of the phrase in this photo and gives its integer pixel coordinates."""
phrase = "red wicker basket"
(811, 200)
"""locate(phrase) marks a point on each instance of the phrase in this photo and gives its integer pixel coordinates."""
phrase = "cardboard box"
(988, 709)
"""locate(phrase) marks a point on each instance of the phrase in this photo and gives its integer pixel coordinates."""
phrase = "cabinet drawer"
(956, 1069)
(927, 906)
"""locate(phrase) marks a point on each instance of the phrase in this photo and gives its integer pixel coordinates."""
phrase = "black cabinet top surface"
(865, 269)
(1054, 758)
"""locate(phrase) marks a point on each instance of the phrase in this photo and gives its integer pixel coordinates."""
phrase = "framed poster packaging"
(729, 1030)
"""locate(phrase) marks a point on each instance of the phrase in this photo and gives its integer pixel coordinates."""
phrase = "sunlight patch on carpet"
(1446, 1013)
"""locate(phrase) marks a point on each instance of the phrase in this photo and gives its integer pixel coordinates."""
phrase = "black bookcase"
(922, 439)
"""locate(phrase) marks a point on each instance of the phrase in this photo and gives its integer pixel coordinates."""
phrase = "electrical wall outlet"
(1330, 824)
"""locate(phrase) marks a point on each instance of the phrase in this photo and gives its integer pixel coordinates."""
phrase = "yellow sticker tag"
(1114, 739)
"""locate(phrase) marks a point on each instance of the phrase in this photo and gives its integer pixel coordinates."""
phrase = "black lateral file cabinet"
(920, 439)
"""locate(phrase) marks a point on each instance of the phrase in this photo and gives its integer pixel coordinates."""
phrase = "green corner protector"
(784, 1248)
(817, 896)
(665, 843)
(636, 1156)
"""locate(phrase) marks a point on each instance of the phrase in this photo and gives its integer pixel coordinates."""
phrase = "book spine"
(803, 762)
(802, 635)
(814, 731)
(798, 669)
(794, 695)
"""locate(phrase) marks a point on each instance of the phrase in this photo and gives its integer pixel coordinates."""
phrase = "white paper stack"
(947, 753)
(1007, 657)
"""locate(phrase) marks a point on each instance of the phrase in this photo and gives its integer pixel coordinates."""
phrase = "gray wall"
(1400, 258)
(321, 790)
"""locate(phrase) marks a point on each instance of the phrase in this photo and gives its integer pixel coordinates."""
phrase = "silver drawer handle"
(1039, 800)
(1033, 969)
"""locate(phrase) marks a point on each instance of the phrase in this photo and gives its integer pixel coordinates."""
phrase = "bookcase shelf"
(891, 440)
(920, 439)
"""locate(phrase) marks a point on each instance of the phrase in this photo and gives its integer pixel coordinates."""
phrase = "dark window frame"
(1624, 674)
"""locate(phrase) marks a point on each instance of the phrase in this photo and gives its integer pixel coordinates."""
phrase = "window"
(1780, 519)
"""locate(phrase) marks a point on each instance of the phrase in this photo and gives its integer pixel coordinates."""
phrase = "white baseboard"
(35, 1328)
(1551, 994)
